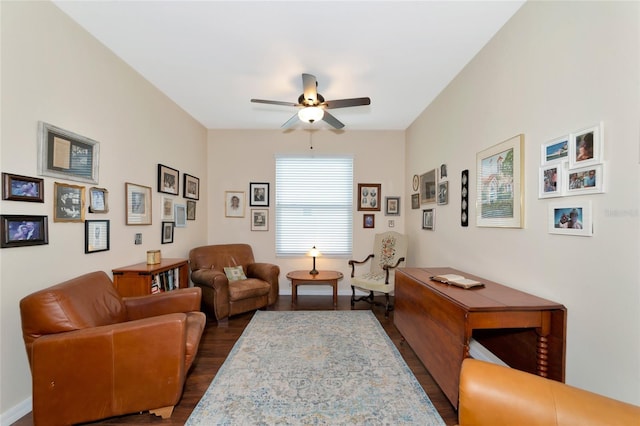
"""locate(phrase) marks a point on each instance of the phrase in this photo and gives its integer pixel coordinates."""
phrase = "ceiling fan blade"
(310, 88)
(262, 101)
(290, 122)
(342, 103)
(332, 121)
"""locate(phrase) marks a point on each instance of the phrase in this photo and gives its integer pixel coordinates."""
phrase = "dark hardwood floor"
(217, 342)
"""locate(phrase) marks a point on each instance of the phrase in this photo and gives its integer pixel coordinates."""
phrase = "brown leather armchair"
(94, 354)
(223, 298)
(494, 395)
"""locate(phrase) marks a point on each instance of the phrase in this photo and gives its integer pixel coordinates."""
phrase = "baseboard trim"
(16, 412)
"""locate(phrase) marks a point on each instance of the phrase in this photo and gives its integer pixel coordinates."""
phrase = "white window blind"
(314, 205)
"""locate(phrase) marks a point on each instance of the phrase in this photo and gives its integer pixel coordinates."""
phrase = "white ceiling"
(212, 57)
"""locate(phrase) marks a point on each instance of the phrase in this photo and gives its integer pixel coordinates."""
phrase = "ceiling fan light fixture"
(311, 114)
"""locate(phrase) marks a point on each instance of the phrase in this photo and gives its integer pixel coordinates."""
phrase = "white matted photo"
(556, 151)
(585, 147)
(259, 219)
(571, 218)
(234, 203)
(551, 180)
(167, 209)
(585, 180)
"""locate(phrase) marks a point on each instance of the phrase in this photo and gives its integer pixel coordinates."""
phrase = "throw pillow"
(234, 273)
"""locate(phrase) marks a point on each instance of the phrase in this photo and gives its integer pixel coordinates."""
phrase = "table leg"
(294, 292)
(335, 293)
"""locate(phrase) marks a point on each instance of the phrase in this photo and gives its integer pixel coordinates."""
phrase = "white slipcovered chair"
(389, 252)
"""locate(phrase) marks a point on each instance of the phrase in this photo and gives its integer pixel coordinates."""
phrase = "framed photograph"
(98, 200)
(443, 172)
(68, 203)
(234, 203)
(585, 147)
(96, 236)
(259, 193)
(67, 155)
(556, 151)
(415, 184)
(369, 197)
(369, 221)
(22, 188)
(392, 206)
(571, 218)
(167, 209)
(23, 230)
(443, 193)
(259, 219)
(415, 201)
(167, 232)
(191, 210)
(138, 204)
(550, 181)
(180, 215)
(499, 185)
(585, 180)
(428, 219)
(191, 188)
(168, 180)
(428, 187)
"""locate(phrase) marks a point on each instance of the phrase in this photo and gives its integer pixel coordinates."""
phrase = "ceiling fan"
(312, 105)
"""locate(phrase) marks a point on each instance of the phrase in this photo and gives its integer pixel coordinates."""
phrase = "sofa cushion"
(246, 289)
(234, 273)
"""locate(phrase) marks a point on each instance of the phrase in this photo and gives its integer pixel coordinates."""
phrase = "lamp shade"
(310, 114)
(314, 252)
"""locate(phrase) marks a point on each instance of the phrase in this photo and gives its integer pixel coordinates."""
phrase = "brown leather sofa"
(222, 298)
(494, 395)
(94, 354)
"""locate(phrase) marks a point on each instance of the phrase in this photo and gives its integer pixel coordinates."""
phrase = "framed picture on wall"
(167, 209)
(585, 147)
(551, 180)
(259, 193)
(138, 204)
(68, 202)
(571, 218)
(428, 187)
(22, 188)
(98, 202)
(369, 197)
(167, 233)
(191, 210)
(96, 236)
(392, 206)
(191, 188)
(168, 180)
(428, 219)
(234, 203)
(369, 221)
(23, 230)
(259, 219)
(180, 215)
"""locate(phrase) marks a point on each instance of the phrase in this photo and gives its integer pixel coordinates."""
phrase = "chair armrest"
(211, 278)
(358, 262)
(387, 267)
(141, 363)
(267, 272)
(179, 300)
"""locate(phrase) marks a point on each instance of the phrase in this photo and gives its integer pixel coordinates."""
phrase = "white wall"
(237, 158)
(53, 71)
(554, 68)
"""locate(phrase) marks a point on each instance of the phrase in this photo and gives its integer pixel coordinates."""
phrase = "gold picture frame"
(68, 202)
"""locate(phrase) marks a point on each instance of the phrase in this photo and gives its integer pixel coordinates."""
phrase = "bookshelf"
(142, 279)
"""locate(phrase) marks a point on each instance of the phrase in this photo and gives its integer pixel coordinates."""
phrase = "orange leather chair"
(222, 297)
(494, 395)
(94, 354)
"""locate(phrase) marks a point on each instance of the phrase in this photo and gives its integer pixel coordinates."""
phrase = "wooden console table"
(439, 320)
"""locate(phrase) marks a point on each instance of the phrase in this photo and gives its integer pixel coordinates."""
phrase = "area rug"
(314, 368)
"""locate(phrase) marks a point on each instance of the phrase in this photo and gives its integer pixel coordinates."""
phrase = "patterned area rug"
(314, 368)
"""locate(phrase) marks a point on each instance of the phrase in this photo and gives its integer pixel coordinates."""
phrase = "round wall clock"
(416, 182)
(464, 202)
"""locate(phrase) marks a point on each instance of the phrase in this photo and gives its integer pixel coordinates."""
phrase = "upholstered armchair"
(389, 252)
(94, 354)
(231, 280)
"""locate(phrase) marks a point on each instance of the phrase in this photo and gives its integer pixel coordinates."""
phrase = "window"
(314, 205)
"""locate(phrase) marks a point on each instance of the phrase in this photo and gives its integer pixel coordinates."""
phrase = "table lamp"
(314, 253)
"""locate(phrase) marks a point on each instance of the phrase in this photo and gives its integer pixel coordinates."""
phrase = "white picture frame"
(167, 209)
(234, 202)
(259, 219)
(560, 218)
(551, 180)
(585, 180)
(556, 150)
(585, 147)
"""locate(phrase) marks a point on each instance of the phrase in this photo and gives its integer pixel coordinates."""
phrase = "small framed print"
(428, 219)
(259, 219)
(392, 206)
(68, 203)
(443, 192)
(571, 218)
(66, 155)
(180, 215)
(369, 221)
(428, 187)
(96, 236)
(167, 232)
(556, 151)
(167, 209)
(98, 200)
(259, 193)
(234, 203)
(138, 204)
(191, 188)
(23, 230)
(585, 147)
(22, 188)
(168, 180)
(551, 180)
(585, 180)
(416, 182)
(191, 210)
(369, 196)
(415, 201)
(443, 172)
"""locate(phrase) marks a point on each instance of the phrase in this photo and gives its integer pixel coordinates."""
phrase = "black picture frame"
(191, 187)
(167, 233)
(259, 194)
(23, 230)
(96, 236)
(191, 210)
(22, 188)
(168, 180)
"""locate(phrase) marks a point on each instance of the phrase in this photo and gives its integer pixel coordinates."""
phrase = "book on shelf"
(457, 280)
